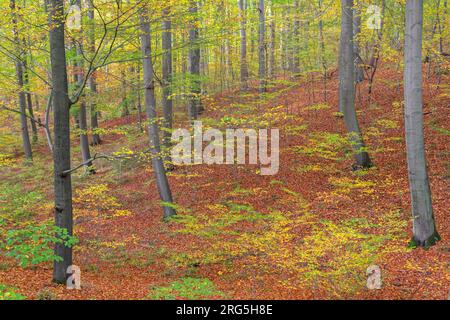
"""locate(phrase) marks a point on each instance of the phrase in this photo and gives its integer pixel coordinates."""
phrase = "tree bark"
(150, 103)
(167, 71)
(323, 58)
(26, 80)
(20, 82)
(244, 65)
(262, 47)
(424, 227)
(273, 36)
(296, 39)
(347, 86)
(96, 140)
(82, 114)
(195, 106)
(356, 32)
(61, 106)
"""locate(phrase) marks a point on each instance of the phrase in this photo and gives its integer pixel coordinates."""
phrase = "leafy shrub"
(8, 293)
(34, 244)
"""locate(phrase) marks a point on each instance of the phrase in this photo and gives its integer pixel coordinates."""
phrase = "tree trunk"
(272, 59)
(244, 65)
(195, 107)
(167, 71)
(139, 104)
(82, 115)
(22, 97)
(424, 227)
(356, 32)
(96, 140)
(347, 86)
(123, 87)
(150, 103)
(323, 58)
(262, 47)
(296, 39)
(61, 106)
(26, 79)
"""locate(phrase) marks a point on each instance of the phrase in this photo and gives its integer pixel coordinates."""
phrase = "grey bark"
(139, 104)
(347, 85)
(123, 87)
(262, 47)
(167, 71)
(272, 59)
(61, 106)
(82, 114)
(20, 82)
(424, 227)
(26, 80)
(296, 39)
(96, 140)
(323, 57)
(150, 104)
(356, 32)
(243, 31)
(195, 106)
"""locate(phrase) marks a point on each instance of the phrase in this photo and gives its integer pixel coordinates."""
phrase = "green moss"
(427, 244)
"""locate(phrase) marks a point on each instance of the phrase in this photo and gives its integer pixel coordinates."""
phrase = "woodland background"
(309, 232)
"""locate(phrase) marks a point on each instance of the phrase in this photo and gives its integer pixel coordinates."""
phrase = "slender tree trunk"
(323, 57)
(36, 101)
(296, 39)
(262, 47)
(273, 36)
(96, 140)
(424, 227)
(61, 106)
(123, 87)
(26, 79)
(376, 53)
(20, 82)
(150, 103)
(82, 114)
(244, 65)
(347, 86)
(356, 32)
(139, 105)
(195, 107)
(167, 71)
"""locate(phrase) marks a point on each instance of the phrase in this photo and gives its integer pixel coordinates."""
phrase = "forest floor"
(309, 232)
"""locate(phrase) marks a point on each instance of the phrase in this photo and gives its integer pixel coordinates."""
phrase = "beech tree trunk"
(244, 65)
(195, 107)
(26, 80)
(96, 140)
(356, 32)
(82, 114)
(323, 58)
(272, 59)
(347, 86)
(296, 39)
(20, 82)
(61, 106)
(262, 47)
(150, 104)
(424, 227)
(167, 71)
